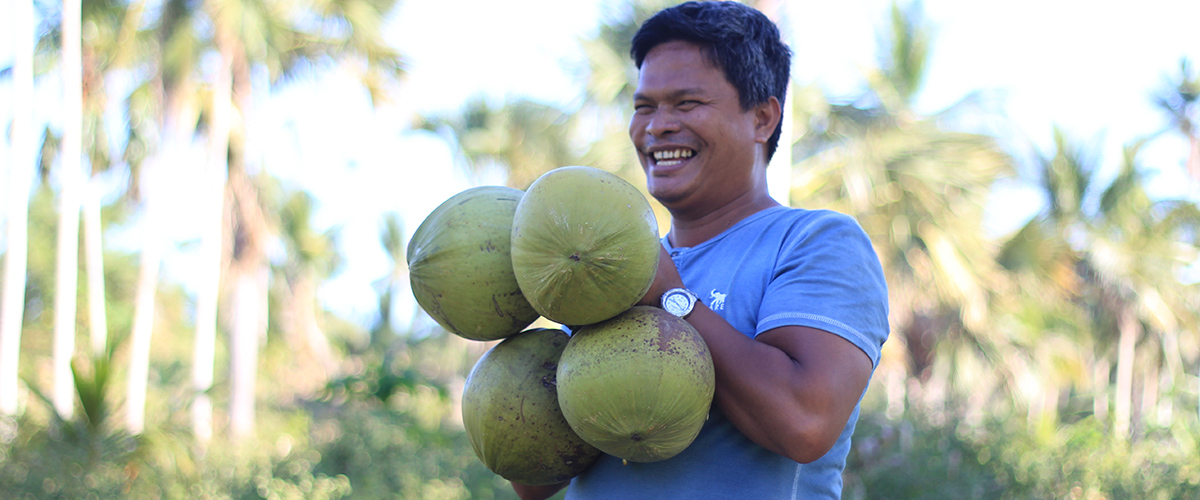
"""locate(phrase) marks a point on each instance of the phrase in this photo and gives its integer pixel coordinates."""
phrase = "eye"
(687, 105)
(642, 108)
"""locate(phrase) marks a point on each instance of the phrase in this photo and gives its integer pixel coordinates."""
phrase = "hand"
(665, 279)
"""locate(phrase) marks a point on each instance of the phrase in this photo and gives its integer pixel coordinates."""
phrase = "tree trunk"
(248, 275)
(208, 290)
(1150, 391)
(20, 176)
(143, 313)
(1173, 371)
(302, 328)
(1100, 374)
(248, 269)
(1126, 348)
(314, 337)
(66, 289)
(244, 353)
(67, 268)
(94, 251)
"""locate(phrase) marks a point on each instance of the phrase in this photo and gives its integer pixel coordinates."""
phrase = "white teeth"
(672, 154)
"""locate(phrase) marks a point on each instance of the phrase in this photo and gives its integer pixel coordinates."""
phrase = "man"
(796, 305)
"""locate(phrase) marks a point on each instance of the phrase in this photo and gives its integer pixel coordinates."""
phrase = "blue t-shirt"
(778, 267)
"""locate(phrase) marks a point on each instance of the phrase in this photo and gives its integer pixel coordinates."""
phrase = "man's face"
(696, 145)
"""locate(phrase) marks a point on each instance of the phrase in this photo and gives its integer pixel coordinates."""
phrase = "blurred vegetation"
(1059, 361)
(911, 458)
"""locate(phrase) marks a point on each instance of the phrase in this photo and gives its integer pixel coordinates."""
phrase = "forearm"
(793, 398)
(538, 492)
(791, 390)
(747, 374)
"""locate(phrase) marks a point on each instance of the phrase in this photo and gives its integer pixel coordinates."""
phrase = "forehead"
(677, 64)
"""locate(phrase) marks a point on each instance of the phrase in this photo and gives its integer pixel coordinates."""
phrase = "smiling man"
(796, 309)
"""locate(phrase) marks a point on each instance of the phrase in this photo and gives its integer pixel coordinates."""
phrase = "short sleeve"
(827, 276)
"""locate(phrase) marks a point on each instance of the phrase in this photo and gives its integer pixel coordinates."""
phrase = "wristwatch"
(679, 301)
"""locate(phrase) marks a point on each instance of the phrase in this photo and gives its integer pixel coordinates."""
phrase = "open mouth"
(670, 157)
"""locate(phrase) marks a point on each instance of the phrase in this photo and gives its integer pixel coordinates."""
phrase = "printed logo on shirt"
(718, 300)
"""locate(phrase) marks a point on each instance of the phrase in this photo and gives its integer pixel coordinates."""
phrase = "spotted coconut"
(638, 386)
(460, 265)
(511, 414)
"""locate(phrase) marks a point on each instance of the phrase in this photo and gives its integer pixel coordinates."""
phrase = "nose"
(662, 122)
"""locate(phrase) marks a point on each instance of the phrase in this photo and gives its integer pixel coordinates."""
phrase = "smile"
(672, 156)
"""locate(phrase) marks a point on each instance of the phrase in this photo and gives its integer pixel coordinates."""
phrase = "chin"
(667, 198)
(663, 194)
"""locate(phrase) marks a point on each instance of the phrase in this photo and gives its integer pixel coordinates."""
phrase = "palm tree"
(1119, 263)
(67, 271)
(284, 38)
(209, 289)
(20, 176)
(919, 190)
(391, 237)
(1181, 103)
(524, 138)
(1046, 267)
(85, 65)
(251, 34)
(169, 100)
(1137, 250)
(311, 258)
(100, 56)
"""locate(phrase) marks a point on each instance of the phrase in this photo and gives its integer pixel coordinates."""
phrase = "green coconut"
(460, 265)
(584, 245)
(510, 411)
(638, 386)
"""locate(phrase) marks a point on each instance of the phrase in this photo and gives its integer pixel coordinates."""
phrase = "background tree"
(523, 139)
(1180, 103)
(1100, 247)
(247, 35)
(70, 202)
(20, 176)
(311, 257)
(919, 189)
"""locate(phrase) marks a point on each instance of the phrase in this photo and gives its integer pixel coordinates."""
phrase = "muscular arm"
(791, 390)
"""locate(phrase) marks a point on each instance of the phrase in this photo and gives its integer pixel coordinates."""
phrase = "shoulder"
(820, 230)
(818, 220)
(800, 221)
(827, 276)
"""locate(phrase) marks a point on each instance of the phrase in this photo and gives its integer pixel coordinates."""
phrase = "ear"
(766, 118)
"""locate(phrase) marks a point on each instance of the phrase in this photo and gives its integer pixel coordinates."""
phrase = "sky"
(1089, 67)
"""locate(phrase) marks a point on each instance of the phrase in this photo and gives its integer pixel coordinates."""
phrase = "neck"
(691, 229)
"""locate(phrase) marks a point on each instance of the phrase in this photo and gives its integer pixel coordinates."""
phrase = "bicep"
(830, 374)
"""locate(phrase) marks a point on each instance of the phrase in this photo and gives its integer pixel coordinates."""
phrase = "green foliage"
(1008, 460)
(914, 460)
(391, 425)
(68, 462)
(392, 454)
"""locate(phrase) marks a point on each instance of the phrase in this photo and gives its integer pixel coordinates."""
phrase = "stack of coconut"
(579, 248)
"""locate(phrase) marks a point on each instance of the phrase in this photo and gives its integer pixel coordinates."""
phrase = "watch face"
(675, 302)
(678, 302)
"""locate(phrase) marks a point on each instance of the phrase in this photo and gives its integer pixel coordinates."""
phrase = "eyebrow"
(674, 94)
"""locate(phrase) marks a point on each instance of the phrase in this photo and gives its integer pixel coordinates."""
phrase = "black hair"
(735, 38)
